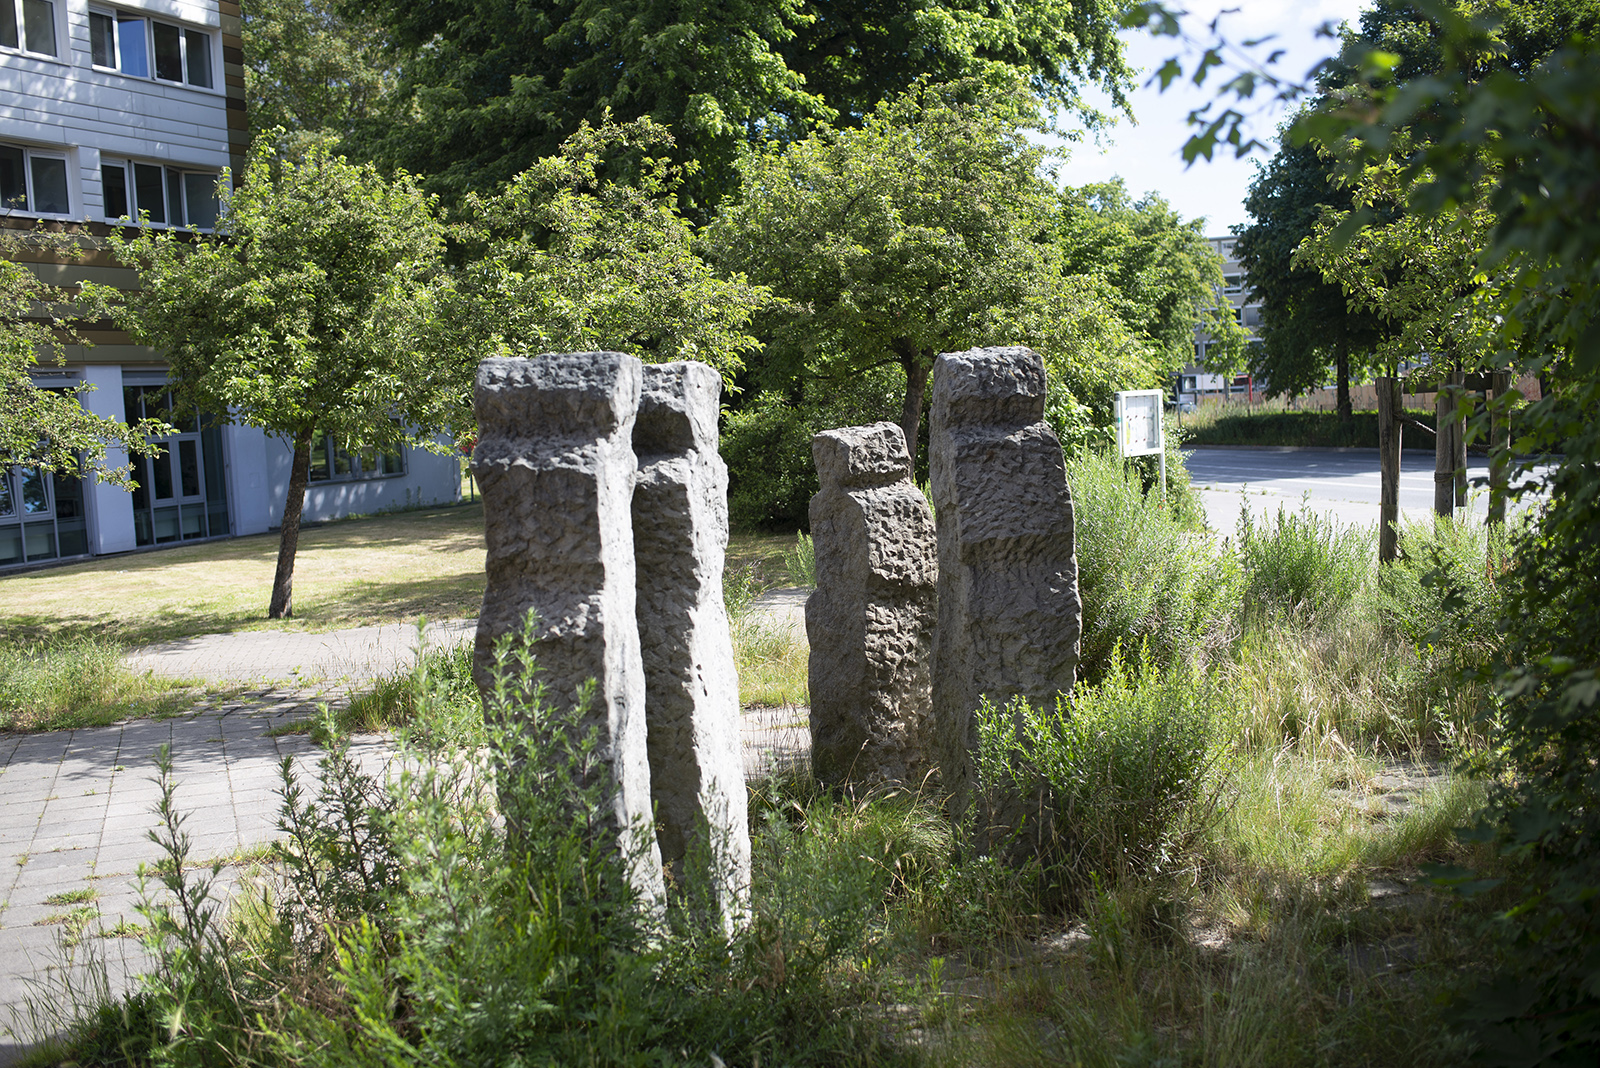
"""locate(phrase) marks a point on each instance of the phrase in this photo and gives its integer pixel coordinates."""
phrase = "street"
(1338, 483)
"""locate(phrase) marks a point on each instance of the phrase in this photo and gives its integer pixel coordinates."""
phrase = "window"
(146, 48)
(166, 195)
(1232, 283)
(29, 25)
(330, 462)
(32, 182)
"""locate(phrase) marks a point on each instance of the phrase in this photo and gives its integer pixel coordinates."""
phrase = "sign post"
(1139, 429)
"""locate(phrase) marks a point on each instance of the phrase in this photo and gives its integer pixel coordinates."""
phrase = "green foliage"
(918, 233)
(801, 562)
(1119, 780)
(1302, 564)
(569, 257)
(311, 68)
(65, 683)
(434, 707)
(308, 311)
(767, 445)
(487, 88)
(1163, 272)
(48, 428)
(1308, 325)
(1146, 579)
(1446, 587)
(1216, 425)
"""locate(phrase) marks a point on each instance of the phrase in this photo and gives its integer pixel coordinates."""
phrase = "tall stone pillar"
(1009, 614)
(870, 620)
(680, 538)
(555, 461)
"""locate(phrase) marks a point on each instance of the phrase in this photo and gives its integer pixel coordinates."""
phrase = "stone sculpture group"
(605, 505)
(605, 513)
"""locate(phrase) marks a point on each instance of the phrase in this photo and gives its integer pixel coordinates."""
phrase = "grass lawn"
(379, 569)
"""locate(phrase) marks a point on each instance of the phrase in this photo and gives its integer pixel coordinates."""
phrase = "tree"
(311, 68)
(923, 231)
(1164, 275)
(1518, 131)
(306, 312)
(568, 258)
(488, 86)
(1307, 324)
(48, 428)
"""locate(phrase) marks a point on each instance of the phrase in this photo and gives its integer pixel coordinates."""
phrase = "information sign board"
(1139, 422)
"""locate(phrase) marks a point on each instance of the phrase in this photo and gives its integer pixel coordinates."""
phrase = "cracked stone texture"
(870, 621)
(680, 538)
(1010, 618)
(555, 461)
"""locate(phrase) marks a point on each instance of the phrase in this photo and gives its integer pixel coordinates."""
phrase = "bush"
(1444, 587)
(1146, 578)
(1301, 565)
(1117, 781)
(767, 445)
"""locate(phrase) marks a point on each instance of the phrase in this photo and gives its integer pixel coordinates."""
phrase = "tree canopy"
(922, 231)
(48, 428)
(1307, 324)
(487, 86)
(569, 258)
(1163, 274)
(311, 67)
(308, 311)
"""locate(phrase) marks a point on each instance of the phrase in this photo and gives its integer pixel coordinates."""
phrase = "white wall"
(429, 479)
(250, 489)
(110, 510)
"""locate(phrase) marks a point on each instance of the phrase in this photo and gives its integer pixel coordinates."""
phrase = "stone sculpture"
(680, 537)
(1009, 614)
(870, 620)
(556, 463)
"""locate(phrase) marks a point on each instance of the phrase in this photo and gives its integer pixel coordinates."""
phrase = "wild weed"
(1117, 781)
(801, 562)
(79, 682)
(1145, 578)
(1302, 565)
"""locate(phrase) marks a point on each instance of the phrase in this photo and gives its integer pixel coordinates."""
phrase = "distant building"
(106, 112)
(1197, 380)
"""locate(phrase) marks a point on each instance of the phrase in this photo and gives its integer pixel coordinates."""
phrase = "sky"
(1149, 156)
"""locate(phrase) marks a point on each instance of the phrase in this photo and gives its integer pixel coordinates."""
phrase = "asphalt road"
(1338, 483)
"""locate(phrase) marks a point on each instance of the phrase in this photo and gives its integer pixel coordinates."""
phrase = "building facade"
(1197, 380)
(110, 113)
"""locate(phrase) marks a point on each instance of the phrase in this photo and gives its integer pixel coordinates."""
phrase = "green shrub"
(1302, 565)
(434, 706)
(801, 562)
(1145, 577)
(1116, 781)
(767, 445)
(1443, 589)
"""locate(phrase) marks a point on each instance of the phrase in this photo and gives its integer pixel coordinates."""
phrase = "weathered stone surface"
(680, 537)
(555, 461)
(870, 620)
(1009, 614)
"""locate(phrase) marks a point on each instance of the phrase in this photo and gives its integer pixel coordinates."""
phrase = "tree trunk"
(1458, 440)
(1500, 448)
(1389, 466)
(1444, 450)
(1341, 365)
(282, 606)
(917, 371)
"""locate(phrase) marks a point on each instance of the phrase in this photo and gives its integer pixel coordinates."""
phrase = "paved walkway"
(76, 807)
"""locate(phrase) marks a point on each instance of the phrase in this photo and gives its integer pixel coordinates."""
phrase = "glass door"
(179, 496)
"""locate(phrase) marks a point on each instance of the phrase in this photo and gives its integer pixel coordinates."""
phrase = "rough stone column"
(870, 620)
(1009, 614)
(680, 538)
(555, 460)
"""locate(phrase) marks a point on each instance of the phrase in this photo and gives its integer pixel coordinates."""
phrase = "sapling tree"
(926, 230)
(305, 313)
